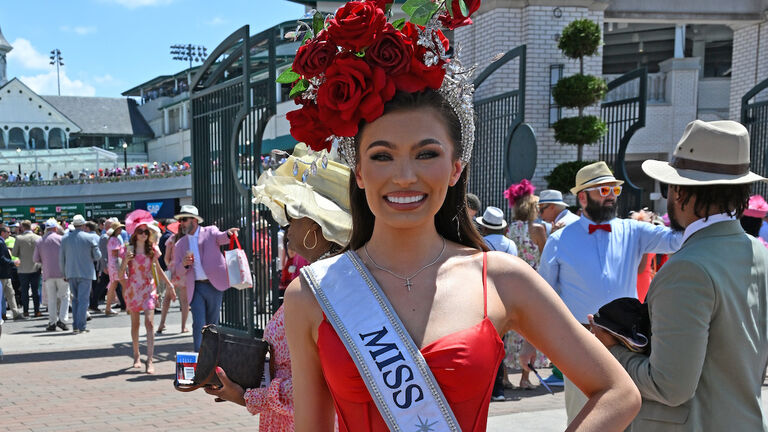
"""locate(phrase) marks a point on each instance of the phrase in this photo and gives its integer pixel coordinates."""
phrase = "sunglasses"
(606, 190)
(142, 232)
(184, 219)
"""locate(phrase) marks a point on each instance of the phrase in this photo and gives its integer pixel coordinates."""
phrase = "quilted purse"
(241, 358)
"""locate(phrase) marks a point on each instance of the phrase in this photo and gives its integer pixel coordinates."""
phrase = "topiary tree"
(579, 39)
(563, 177)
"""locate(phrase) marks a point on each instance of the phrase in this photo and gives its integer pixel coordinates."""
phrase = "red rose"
(313, 58)
(459, 20)
(356, 25)
(353, 90)
(381, 4)
(391, 51)
(420, 76)
(307, 128)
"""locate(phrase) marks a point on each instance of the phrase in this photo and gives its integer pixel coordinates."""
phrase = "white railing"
(656, 88)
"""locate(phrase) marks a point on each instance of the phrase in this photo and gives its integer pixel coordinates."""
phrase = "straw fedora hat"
(551, 196)
(709, 153)
(322, 196)
(189, 210)
(492, 218)
(594, 174)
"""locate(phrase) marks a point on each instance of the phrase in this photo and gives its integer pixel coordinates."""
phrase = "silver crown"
(457, 89)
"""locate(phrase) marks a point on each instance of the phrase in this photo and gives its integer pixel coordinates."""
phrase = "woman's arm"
(538, 235)
(311, 397)
(524, 298)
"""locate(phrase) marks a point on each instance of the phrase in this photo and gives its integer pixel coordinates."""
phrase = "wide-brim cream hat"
(189, 210)
(321, 195)
(709, 153)
(592, 175)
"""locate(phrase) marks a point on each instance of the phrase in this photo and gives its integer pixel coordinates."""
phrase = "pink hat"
(757, 207)
(137, 218)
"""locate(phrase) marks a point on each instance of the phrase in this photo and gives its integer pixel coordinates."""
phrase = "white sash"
(396, 374)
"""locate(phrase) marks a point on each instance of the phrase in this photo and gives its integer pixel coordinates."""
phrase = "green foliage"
(580, 38)
(579, 130)
(563, 177)
(318, 23)
(298, 88)
(579, 91)
(288, 77)
(420, 11)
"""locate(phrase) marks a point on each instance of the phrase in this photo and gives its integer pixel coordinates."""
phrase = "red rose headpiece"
(352, 63)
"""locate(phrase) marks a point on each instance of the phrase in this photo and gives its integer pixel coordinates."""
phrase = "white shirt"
(701, 224)
(590, 270)
(567, 217)
(500, 243)
(195, 248)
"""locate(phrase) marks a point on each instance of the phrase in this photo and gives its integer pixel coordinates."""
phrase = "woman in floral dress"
(115, 252)
(141, 266)
(530, 238)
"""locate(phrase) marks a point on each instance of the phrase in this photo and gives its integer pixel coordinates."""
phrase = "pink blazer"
(209, 241)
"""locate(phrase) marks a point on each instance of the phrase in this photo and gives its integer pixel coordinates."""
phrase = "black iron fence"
(754, 116)
(623, 118)
(496, 119)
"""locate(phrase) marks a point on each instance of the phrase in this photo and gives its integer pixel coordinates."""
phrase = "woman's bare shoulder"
(300, 302)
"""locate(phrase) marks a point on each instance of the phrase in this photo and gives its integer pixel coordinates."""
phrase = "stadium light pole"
(125, 156)
(189, 53)
(57, 60)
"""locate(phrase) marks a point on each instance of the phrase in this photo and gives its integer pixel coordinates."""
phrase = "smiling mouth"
(405, 199)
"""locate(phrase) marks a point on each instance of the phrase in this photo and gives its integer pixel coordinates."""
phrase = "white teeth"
(405, 200)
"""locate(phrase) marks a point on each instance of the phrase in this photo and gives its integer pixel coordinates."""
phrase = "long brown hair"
(451, 221)
(148, 250)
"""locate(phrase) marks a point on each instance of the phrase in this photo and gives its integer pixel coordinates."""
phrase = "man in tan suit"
(708, 305)
(29, 270)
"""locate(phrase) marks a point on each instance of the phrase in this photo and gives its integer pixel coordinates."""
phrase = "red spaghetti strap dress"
(463, 363)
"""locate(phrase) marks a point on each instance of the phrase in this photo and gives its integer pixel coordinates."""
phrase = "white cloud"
(26, 56)
(107, 78)
(81, 30)
(45, 84)
(216, 21)
(133, 4)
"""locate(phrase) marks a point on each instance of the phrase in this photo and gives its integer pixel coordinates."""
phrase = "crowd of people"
(141, 170)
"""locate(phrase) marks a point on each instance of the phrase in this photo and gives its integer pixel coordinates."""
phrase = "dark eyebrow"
(387, 144)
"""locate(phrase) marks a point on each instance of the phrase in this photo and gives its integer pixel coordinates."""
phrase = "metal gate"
(754, 116)
(496, 119)
(623, 118)
(230, 107)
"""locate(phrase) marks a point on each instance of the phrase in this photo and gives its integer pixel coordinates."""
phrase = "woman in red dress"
(409, 146)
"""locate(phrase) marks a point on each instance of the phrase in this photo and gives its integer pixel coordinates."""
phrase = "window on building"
(555, 111)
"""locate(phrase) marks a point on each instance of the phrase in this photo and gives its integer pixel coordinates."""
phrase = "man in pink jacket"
(198, 257)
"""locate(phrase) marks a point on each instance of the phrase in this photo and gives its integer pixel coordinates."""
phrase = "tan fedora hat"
(709, 153)
(594, 174)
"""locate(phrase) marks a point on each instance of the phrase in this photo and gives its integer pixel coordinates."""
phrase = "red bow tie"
(605, 227)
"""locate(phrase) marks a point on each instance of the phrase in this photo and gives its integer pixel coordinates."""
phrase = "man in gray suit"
(79, 252)
(708, 305)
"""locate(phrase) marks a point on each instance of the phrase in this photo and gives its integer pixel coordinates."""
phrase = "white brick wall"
(498, 31)
(749, 64)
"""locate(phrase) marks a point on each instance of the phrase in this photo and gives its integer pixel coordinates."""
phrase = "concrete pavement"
(64, 382)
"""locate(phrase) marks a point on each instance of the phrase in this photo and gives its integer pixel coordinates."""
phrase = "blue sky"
(110, 46)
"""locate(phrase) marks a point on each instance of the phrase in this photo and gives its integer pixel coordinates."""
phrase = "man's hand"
(601, 334)
(232, 231)
(17, 262)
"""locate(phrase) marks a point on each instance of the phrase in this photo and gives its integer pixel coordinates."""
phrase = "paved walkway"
(64, 382)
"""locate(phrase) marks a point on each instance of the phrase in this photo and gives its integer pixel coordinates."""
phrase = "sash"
(392, 367)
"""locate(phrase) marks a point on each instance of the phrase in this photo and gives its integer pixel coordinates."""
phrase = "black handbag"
(241, 358)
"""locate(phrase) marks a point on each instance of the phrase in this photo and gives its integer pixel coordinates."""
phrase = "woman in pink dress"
(115, 252)
(312, 232)
(141, 267)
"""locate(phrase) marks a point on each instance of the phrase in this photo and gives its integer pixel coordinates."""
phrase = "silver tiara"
(457, 89)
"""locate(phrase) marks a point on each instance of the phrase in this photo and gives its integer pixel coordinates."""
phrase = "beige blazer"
(24, 249)
(709, 345)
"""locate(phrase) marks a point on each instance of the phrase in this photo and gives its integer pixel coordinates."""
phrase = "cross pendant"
(408, 284)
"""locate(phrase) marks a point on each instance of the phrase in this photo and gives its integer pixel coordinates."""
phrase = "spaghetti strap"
(485, 285)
